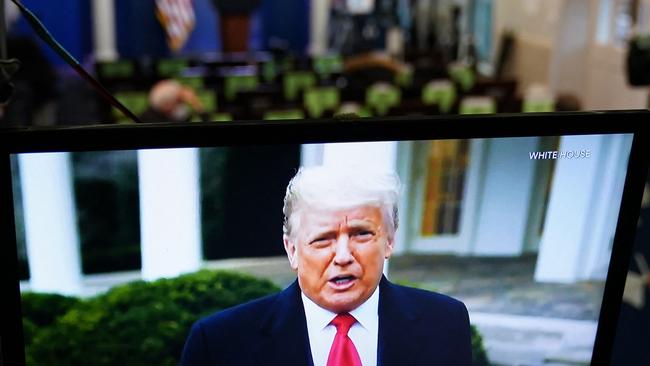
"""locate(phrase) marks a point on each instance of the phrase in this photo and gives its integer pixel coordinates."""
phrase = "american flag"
(177, 17)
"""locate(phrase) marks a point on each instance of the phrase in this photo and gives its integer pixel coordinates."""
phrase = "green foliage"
(479, 356)
(41, 310)
(139, 323)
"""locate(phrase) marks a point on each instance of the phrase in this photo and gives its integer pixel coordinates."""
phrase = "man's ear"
(292, 252)
(390, 244)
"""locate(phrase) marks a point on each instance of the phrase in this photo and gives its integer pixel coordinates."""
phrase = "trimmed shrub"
(140, 323)
(41, 310)
(479, 356)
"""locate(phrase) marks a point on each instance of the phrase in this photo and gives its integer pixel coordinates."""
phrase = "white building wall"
(562, 44)
(170, 220)
(51, 233)
(610, 191)
(582, 210)
(505, 200)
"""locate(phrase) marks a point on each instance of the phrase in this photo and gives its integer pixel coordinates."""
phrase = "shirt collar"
(366, 314)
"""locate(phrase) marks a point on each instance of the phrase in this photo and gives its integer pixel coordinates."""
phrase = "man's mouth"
(342, 282)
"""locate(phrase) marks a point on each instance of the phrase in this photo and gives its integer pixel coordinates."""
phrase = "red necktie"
(343, 352)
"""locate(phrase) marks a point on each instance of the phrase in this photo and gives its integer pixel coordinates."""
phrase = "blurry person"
(365, 69)
(567, 102)
(234, 19)
(339, 228)
(170, 101)
(35, 82)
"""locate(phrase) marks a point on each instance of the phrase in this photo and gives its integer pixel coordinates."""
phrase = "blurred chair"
(404, 77)
(284, 114)
(135, 101)
(380, 97)
(209, 100)
(121, 69)
(296, 81)
(441, 93)
(171, 68)
(538, 98)
(319, 100)
(463, 75)
(234, 84)
(477, 105)
(353, 108)
(327, 65)
(269, 71)
(194, 82)
(216, 117)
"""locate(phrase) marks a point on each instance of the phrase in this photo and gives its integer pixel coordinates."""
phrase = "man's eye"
(364, 234)
(320, 241)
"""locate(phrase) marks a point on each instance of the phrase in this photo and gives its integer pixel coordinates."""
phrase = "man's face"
(339, 254)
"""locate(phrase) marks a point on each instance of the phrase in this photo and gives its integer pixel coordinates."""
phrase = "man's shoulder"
(237, 316)
(227, 334)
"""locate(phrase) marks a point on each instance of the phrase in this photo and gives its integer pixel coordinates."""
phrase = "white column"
(320, 12)
(506, 197)
(170, 224)
(607, 203)
(50, 223)
(104, 30)
(582, 210)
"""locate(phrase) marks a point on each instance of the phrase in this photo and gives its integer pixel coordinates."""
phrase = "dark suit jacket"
(416, 327)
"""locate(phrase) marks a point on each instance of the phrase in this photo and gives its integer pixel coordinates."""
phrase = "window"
(447, 163)
(619, 19)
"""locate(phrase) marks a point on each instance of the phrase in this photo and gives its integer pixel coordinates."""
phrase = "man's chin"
(342, 303)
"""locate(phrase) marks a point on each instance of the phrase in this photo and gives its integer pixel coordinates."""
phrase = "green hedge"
(136, 324)
(479, 356)
(141, 323)
(41, 310)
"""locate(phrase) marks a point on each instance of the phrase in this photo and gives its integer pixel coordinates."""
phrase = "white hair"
(342, 187)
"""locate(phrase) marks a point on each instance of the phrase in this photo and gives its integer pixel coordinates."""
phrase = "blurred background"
(225, 61)
(289, 59)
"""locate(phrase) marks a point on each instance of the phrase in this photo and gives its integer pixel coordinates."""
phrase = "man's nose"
(343, 254)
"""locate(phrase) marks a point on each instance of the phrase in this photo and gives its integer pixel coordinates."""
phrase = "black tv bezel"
(127, 137)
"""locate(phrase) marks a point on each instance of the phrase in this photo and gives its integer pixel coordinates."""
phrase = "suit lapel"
(398, 328)
(284, 339)
(283, 334)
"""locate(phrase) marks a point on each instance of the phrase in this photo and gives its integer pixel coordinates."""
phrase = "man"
(170, 101)
(339, 229)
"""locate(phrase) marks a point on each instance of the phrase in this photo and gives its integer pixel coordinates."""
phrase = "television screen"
(447, 243)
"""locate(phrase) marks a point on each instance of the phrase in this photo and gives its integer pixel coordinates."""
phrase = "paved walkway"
(528, 340)
(500, 285)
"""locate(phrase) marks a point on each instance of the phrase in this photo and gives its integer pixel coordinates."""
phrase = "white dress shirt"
(364, 332)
